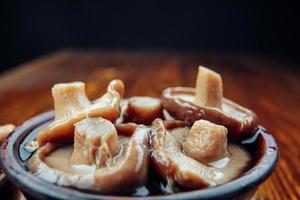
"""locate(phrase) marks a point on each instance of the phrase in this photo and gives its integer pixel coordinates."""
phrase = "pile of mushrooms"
(118, 137)
(96, 135)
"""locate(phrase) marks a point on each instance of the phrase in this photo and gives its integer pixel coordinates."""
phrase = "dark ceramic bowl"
(14, 158)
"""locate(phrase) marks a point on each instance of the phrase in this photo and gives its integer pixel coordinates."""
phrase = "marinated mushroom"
(178, 165)
(104, 145)
(206, 142)
(123, 170)
(209, 88)
(131, 167)
(206, 102)
(95, 142)
(142, 110)
(72, 105)
(175, 166)
(5, 130)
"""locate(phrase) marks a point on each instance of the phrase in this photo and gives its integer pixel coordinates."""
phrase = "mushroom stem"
(69, 98)
(206, 142)
(209, 88)
(95, 141)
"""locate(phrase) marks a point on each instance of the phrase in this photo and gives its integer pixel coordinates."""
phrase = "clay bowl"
(14, 157)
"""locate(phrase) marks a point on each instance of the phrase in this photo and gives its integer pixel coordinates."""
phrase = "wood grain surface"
(270, 88)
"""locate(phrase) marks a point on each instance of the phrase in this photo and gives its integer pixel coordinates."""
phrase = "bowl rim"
(16, 172)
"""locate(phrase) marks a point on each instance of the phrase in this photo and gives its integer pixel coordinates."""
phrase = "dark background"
(32, 28)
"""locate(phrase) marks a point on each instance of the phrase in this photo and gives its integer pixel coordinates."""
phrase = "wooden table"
(270, 88)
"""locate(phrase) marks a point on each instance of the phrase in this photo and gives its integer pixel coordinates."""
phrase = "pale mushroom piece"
(72, 105)
(175, 166)
(131, 170)
(5, 130)
(209, 88)
(127, 171)
(95, 142)
(142, 110)
(206, 142)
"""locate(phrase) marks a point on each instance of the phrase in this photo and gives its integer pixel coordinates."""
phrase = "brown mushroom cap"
(179, 102)
(128, 171)
(72, 105)
(173, 165)
(142, 110)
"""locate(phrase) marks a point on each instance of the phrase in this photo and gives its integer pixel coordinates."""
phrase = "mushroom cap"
(179, 102)
(128, 171)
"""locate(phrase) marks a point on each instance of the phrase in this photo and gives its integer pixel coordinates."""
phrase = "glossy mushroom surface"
(177, 167)
(206, 101)
(141, 110)
(180, 103)
(98, 166)
(206, 142)
(95, 142)
(209, 88)
(173, 165)
(72, 105)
